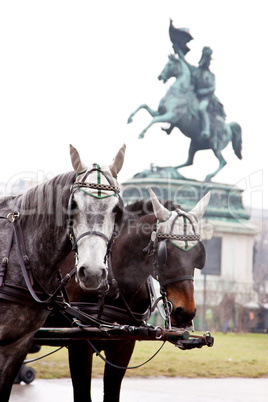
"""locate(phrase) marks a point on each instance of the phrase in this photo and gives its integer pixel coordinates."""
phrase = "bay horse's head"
(95, 208)
(171, 69)
(179, 251)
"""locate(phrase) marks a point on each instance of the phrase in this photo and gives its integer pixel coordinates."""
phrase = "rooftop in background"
(18, 187)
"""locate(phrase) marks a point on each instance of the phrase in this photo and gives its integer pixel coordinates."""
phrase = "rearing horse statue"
(180, 108)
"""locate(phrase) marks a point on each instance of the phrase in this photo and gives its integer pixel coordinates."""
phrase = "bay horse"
(75, 210)
(153, 240)
(179, 107)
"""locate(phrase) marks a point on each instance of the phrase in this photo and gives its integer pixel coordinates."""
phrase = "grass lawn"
(233, 355)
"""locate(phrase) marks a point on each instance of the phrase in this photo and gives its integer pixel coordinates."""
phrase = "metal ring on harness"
(13, 216)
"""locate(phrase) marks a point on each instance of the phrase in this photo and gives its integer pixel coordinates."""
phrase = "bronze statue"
(191, 105)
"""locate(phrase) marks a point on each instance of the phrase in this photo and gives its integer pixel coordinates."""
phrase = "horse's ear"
(78, 165)
(161, 213)
(200, 208)
(118, 161)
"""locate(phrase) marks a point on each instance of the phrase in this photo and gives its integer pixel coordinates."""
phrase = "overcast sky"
(73, 71)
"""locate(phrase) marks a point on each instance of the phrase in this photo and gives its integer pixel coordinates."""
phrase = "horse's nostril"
(104, 274)
(81, 273)
(101, 274)
(182, 316)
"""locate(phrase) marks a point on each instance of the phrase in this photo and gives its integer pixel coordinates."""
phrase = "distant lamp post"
(206, 229)
(206, 232)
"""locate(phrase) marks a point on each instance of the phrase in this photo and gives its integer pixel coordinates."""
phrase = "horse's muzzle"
(181, 318)
(161, 78)
(89, 280)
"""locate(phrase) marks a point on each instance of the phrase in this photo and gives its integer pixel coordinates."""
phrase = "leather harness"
(41, 298)
(78, 313)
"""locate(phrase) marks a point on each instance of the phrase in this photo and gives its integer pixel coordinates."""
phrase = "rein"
(122, 367)
(157, 242)
(105, 313)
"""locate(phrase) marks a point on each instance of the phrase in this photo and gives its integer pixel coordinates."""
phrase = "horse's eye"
(119, 214)
(74, 207)
(116, 209)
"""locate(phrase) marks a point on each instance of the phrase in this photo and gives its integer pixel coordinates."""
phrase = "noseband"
(78, 185)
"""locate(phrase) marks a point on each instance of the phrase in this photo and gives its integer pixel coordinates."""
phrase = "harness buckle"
(153, 236)
(5, 260)
(13, 216)
(75, 322)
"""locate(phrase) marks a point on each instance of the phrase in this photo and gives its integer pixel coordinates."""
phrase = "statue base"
(225, 201)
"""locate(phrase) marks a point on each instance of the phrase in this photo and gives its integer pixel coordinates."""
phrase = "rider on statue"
(204, 84)
(202, 78)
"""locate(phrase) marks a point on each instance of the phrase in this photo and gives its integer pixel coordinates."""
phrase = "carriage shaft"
(63, 336)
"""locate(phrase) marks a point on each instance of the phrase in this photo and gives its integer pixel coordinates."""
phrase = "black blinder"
(162, 253)
(71, 211)
(119, 211)
(201, 260)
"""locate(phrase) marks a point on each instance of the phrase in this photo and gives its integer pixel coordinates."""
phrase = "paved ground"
(152, 390)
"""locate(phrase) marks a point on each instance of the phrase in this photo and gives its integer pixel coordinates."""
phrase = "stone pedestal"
(225, 201)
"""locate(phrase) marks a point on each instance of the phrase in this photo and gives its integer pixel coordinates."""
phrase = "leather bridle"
(42, 297)
(78, 185)
(158, 247)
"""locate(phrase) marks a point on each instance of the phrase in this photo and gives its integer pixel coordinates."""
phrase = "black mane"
(144, 207)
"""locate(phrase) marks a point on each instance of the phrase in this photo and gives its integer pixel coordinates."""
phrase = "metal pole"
(204, 303)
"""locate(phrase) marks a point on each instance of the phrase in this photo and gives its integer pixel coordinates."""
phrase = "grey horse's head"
(95, 204)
